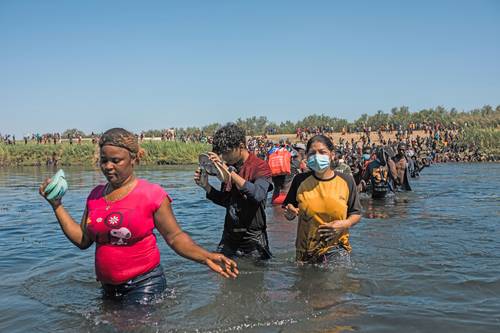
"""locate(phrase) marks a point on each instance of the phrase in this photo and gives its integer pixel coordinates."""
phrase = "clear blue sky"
(155, 64)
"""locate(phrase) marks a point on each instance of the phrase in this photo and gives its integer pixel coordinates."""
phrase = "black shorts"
(257, 248)
(141, 289)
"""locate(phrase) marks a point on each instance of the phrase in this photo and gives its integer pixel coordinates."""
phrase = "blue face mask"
(366, 157)
(318, 162)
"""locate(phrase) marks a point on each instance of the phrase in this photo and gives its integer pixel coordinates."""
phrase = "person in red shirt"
(243, 193)
(120, 217)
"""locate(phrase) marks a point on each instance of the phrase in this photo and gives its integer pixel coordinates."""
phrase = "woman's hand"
(75, 232)
(222, 265)
(330, 230)
(55, 202)
(291, 212)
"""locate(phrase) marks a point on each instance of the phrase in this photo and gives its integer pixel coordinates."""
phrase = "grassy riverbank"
(487, 139)
(86, 154)
(177, 153)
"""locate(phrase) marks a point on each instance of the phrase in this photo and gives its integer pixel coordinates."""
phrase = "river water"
(428, 261)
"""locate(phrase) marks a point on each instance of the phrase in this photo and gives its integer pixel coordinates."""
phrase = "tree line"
(485, 117)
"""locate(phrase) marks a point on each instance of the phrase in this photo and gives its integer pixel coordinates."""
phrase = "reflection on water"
(422, 261)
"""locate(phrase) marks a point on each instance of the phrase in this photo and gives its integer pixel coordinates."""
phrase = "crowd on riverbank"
(435, 143)
(302, 133)
(378, 163)
(48, 138)
(57, 138)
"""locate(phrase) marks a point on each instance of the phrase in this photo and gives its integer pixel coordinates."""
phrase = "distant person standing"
(300, 148)
(380, 174)
(280, 163)
(401, 162)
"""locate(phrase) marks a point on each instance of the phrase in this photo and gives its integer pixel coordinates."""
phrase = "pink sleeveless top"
(123, 232)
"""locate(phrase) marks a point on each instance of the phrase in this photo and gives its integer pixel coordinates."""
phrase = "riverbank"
(178, 153)
(486, 140)
(87, 154)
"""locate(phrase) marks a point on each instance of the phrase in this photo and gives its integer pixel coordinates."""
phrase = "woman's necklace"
(125, 190)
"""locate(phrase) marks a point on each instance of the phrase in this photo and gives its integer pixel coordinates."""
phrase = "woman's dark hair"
(323, 139)
(228, 137)
(120, 137)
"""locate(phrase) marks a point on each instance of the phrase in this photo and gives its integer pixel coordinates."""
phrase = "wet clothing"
(142, 288)
(320, 202)
(245, 221)
(380, 179)
(402, 169)
(337, 255)
(123, 231)
(258, 249)
(412, 168)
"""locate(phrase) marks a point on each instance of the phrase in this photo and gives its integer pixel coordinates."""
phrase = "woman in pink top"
(120, 217)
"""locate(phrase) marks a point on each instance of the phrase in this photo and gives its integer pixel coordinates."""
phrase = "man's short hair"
(228, 137)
